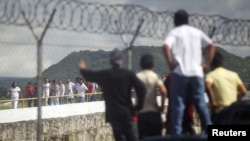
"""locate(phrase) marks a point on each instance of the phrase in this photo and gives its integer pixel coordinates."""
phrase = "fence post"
(129, 47)
(39, 67)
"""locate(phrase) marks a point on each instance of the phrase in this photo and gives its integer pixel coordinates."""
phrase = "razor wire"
(79, 16)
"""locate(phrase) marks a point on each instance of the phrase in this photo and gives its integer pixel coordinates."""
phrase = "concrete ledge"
(65, 110)
(26, 114)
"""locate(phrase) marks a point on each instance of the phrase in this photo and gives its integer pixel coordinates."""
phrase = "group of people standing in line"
(185, 86)
(64, 93)
(69, 91)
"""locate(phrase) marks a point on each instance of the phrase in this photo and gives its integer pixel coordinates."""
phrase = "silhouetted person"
(116, 84)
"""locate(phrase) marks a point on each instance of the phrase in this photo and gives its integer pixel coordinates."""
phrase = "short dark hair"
(13, 83)
(147, 61)
(217, 60)
(180, 17)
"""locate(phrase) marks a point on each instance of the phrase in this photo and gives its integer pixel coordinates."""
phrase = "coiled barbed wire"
(78, 16)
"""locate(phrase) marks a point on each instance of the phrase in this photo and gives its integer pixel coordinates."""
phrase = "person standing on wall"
(55, 91)
(29, 91)
(15, 93)
(183, 51)
(46, 90)
(80, 89)
(69, 91)
(116, 84)
(61, 91)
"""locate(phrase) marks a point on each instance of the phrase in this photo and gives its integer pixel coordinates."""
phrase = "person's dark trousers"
(61, 100)
(124, 130)
(91, 97)
(70, 100)
(149, 124)
(30, 102)
(213, 116)
(35, 102)
(49, 101)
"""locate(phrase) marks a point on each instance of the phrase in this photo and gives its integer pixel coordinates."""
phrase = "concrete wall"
(71, 122)
(91, 127)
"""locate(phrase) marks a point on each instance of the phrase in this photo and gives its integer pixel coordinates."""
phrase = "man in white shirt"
(46, 90)
(81, 88)
(14, 92)
(69, 90)
(61, 91)
(183, 50)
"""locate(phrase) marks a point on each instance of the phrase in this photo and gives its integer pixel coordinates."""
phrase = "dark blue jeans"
(80, 99)
(181, 88)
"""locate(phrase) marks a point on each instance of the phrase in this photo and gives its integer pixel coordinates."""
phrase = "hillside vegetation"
(97, 60)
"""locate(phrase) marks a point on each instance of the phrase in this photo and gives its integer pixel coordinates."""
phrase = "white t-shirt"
(69, 88)
(61, 89)
(186, 44)
(81, 88)
(14, 92)
(46, 88)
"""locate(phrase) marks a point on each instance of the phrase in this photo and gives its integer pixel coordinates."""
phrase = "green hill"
(97, 60)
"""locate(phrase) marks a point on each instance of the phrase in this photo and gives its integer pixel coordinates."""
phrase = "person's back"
(152, 82)
(149, 117)
(183, 51)
(116, 84)
(224, 86)
(187, 49)
(29, 90)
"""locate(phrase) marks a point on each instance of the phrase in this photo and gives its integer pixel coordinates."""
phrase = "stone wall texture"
(91, 127)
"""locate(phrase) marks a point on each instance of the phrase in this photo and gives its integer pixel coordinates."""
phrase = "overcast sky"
(19, 60)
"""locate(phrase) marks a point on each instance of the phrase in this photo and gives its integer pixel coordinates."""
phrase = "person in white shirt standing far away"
(14, 92)
(61, 91)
